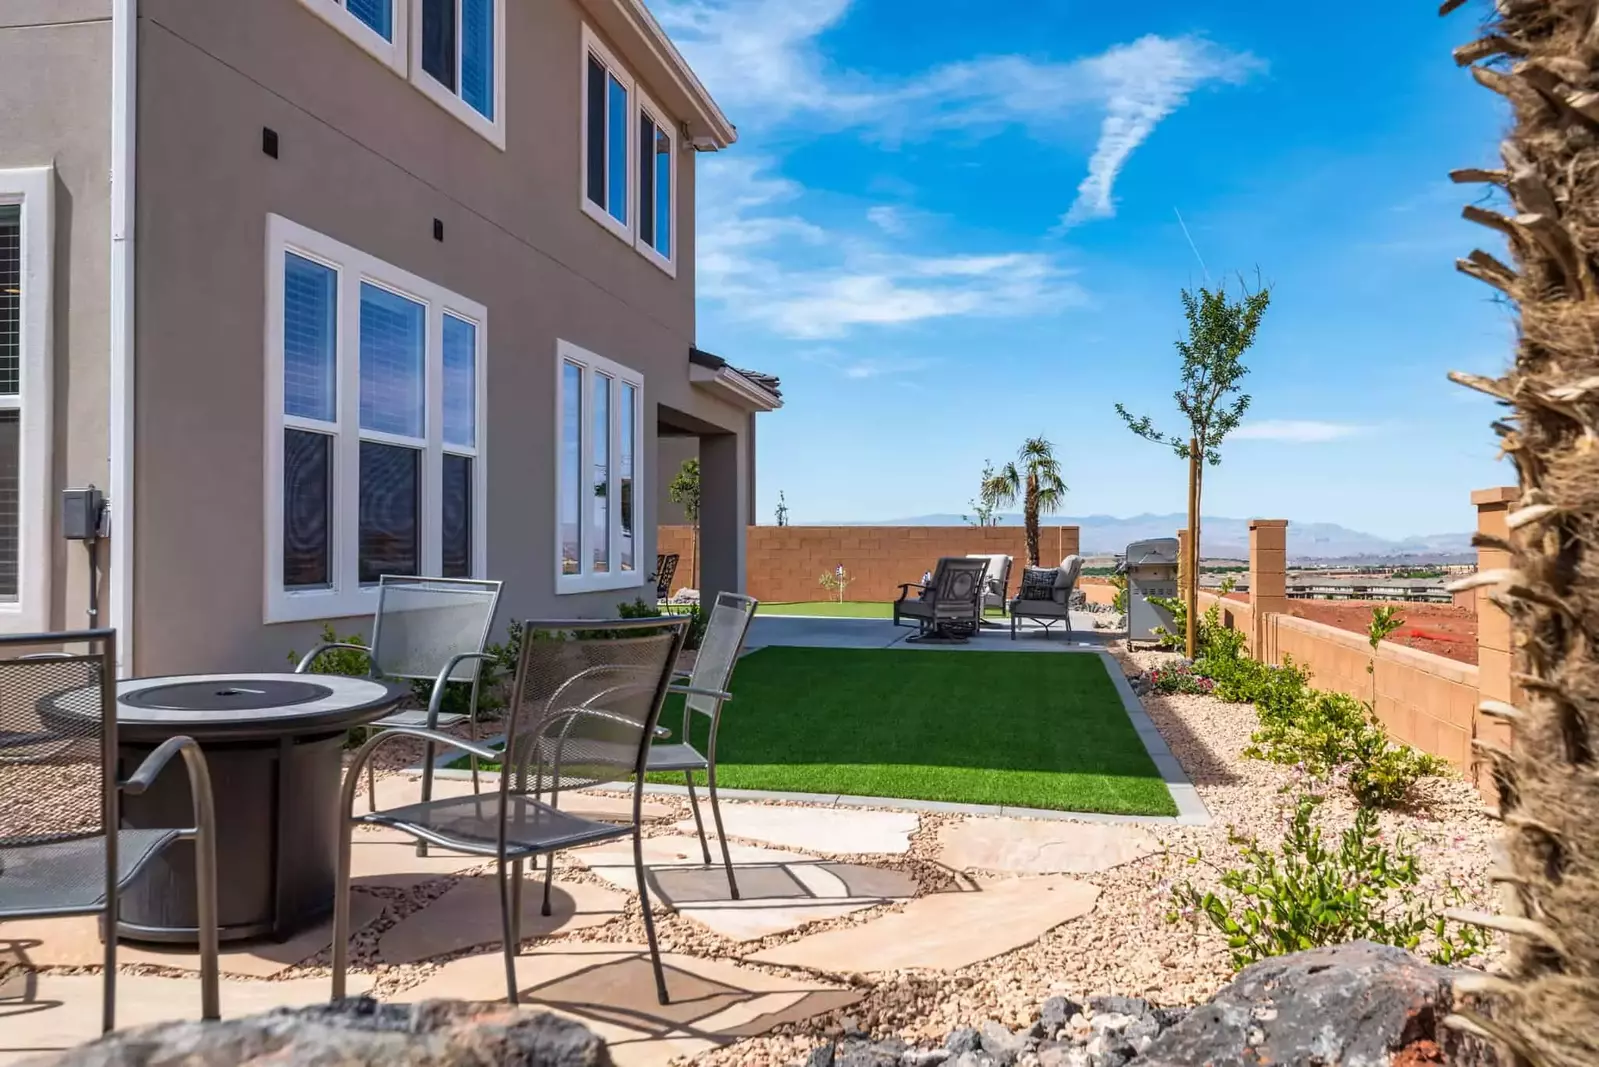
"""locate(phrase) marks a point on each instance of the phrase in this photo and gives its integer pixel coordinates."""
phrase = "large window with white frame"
(599, 434)
(453, 51)
(375, 426)
(629, 158)
(26, 243)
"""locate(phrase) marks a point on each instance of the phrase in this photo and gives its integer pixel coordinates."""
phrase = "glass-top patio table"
(273, 743)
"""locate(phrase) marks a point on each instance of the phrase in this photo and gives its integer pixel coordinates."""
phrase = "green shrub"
(1306, 894)
(1118, 603)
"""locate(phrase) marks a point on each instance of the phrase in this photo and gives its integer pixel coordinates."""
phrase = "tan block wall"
(785, 563)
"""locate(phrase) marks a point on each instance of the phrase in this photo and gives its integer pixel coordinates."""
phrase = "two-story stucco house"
(317, 290)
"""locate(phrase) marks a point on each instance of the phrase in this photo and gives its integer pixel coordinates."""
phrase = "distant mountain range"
(1229, 538)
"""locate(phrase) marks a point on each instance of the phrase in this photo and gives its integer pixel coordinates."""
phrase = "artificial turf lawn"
(1027, 729)
(849, 609)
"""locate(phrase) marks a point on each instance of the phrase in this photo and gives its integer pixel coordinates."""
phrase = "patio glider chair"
(997, 591)
(705, 694)
(951, 605)
(1045, 595)
(432, 630)
(62, 851)
(584, 710)
(665, 571)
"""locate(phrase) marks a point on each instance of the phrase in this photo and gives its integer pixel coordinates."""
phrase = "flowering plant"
(1179, 679)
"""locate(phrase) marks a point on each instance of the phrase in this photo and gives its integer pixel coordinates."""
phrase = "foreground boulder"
(1354, 1005)
(358, 1032)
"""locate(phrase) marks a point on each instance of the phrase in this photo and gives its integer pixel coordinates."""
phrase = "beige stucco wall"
(55, 84)
(367, 160)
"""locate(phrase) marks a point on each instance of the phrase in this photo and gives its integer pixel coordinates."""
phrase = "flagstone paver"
(944, 931)
(1024, 846)
(836, 830)
(778, 897)
(398, 790)
(41, 1013)
(387, 858)
(469, 914)
(610, 989)
(613, 860)
(75, 942)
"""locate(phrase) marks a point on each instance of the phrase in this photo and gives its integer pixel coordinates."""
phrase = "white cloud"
(1298, 431)
(889, 219)
(766, 264)
(763, 57)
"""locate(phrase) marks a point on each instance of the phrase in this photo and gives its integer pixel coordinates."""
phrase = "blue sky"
(948, 226)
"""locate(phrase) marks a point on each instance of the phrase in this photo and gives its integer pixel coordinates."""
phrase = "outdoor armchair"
(705, 694)
(62, 851)
(1055, 607)
(584, 709)
(996, 593)
(433, 630)
(665, 571)
(951, 604)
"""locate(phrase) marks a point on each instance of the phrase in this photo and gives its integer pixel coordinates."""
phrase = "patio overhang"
(749, 390)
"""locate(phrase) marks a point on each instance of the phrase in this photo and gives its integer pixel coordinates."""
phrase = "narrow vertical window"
(377, 15)
(10, 405)
(571, 479)
(654, 184)
(310, 322)
(310, 405)
(616, 124)
(602, 473)
(646, 178)
(626, 499)
(477, 55)
(10, 503)
(393, 337)
(307, 509)
(10, 299)
(438, 41)
(460, 382)
(390, 511)
(457, 525)
(459, 52)
(662, 158)
(595, 155)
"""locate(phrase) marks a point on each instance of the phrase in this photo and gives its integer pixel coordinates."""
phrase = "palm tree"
(1544, 1009)
(1037, 481)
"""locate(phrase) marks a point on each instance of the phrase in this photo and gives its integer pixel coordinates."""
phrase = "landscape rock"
(931, 1057)
(353, 1033)
(1354, 1005)
(963, 1040)
(1134, 1006)
(859, 1053)
(821, 1056)
(1001, 1045)
(1054, 1015)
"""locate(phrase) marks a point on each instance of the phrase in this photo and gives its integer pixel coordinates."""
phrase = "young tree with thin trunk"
(1220, 331)
(1543, 56)
(1037, 482)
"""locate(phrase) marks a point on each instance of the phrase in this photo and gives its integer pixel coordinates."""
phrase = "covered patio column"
(724, 513)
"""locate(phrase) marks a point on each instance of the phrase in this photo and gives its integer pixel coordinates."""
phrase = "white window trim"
(592, 43)
(667, 263)
(616, 578)
(34, 189)
(391, 54)
(346, 596)
(492, 130)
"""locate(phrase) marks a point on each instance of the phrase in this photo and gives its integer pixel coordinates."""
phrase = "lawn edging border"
(1191, 810)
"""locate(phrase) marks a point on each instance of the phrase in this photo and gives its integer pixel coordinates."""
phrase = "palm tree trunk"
(1030, 517)
(1547, 1011)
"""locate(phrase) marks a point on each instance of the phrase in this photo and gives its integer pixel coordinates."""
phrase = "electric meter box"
(1151, 570)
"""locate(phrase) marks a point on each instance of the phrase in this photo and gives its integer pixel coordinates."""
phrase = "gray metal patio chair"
(61, 849)
(705, 694)
(587, 700)
(951, 605)
(428, 629)
(1051, 609)
(665, 571)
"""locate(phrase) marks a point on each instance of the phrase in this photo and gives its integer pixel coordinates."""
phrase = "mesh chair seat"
(68, 875)
(472, 824)
(679, 757)
(419, 717)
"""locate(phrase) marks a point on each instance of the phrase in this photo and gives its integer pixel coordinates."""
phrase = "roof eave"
(735, 387)
(708, 128)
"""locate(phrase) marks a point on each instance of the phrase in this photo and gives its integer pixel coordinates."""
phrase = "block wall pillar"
(1495, 642)
(1268, 580)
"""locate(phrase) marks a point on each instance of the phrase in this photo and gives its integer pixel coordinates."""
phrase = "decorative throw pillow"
(1038, 583)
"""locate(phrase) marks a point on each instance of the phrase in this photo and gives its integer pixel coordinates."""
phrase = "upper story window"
(453, 51)
(629, 155)
(26, 246)
(375, 400)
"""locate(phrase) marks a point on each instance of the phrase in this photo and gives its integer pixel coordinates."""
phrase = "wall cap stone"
(1499, 494)
(1255, 524)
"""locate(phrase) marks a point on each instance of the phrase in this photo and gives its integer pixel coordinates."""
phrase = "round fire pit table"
(273, 743)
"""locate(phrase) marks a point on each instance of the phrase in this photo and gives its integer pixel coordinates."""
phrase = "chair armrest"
(689, 690)
(310, 657)
(154, 763)
(390, 732)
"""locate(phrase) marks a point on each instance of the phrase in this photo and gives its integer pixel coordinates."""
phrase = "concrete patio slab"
(610, 989)
(777, 898)
(75, 942)
(836, 830)
(1020, 846)
(43, 1013)
(945, 931)
(400, 789)
(468, 915)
